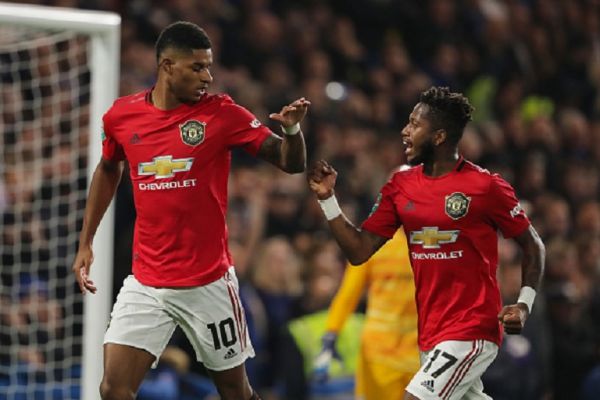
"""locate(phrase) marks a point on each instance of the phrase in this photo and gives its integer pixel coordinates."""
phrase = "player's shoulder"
(471, 167)
(125, 104)
(404, 172)
(400, 177)
(482, 176)
(216, 102)
(130, 100)
(222, 98)
(218, 99)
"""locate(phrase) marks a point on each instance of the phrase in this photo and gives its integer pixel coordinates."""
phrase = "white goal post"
(103, 31)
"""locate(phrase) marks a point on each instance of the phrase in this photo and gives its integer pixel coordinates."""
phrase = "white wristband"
(291, 130)
(526, 296)
(330, 208)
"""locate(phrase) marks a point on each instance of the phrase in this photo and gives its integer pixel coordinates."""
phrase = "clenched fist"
(513, 318)
(321, 179)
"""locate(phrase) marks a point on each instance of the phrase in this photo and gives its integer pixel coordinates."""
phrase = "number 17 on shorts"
(452, 370)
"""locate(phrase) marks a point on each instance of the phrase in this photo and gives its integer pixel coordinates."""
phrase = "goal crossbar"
(90, 22)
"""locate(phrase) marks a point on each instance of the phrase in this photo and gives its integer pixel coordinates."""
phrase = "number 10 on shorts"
(223, 333)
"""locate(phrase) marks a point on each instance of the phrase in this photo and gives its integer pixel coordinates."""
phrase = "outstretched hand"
(81, 269)
(513, 318)
(292, 113)
(321, 179)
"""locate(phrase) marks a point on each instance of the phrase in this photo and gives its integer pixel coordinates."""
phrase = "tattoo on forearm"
(270, 150)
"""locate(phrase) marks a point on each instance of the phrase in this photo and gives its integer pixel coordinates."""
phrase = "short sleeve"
(111, 149)
(505, 211)
(243, 128)
(383, 220)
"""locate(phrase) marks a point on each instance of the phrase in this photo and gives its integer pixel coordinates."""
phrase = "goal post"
(102, 33)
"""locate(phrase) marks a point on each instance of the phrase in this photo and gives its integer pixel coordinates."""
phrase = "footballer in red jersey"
(177, 140)
(179, 163)
(451, 211)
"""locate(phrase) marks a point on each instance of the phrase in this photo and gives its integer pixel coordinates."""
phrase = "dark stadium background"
(531, 69)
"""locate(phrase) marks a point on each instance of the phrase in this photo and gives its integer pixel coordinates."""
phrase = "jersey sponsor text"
(167, 185)
(440, 255)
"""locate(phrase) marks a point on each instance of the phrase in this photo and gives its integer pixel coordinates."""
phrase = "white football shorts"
(452, 371)
(211, 317)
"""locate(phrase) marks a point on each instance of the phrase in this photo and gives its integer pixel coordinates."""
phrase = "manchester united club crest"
(457, 205)
(192, 132)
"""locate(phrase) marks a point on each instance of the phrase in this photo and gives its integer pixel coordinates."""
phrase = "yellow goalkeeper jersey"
(390, 330)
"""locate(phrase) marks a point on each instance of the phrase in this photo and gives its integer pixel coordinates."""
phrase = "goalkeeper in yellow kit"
(389, 355)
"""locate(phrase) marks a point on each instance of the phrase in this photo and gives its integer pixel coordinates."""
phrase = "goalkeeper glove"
(326, 356)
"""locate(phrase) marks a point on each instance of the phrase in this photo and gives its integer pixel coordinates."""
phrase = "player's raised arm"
(514, 316)
(287, 153)
(358, 245)
(102, 189)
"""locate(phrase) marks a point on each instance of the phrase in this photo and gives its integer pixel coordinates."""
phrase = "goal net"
(57, 75)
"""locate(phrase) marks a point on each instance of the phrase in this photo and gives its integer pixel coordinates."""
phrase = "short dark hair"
(182, 35)
(447, 110)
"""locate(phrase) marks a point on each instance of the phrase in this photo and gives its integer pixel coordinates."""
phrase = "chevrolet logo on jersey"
(165, 166)
(431, 238)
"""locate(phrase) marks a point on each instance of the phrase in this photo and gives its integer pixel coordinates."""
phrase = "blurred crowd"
(530, 67)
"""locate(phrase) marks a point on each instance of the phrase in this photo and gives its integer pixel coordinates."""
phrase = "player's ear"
(165, 64)
(440, 136)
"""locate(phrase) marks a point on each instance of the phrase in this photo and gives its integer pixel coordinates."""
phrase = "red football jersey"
(179, 166)
(451, 223)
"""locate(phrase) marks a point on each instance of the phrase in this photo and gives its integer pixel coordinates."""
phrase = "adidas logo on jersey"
(230, 354)
(135, 139)
(428, 385)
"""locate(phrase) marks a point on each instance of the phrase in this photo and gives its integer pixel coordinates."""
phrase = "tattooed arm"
(287, 153)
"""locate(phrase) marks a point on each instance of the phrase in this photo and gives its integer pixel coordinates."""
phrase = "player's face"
(189, 75)
(417, 136)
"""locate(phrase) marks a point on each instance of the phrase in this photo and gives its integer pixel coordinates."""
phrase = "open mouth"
(408, 146)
